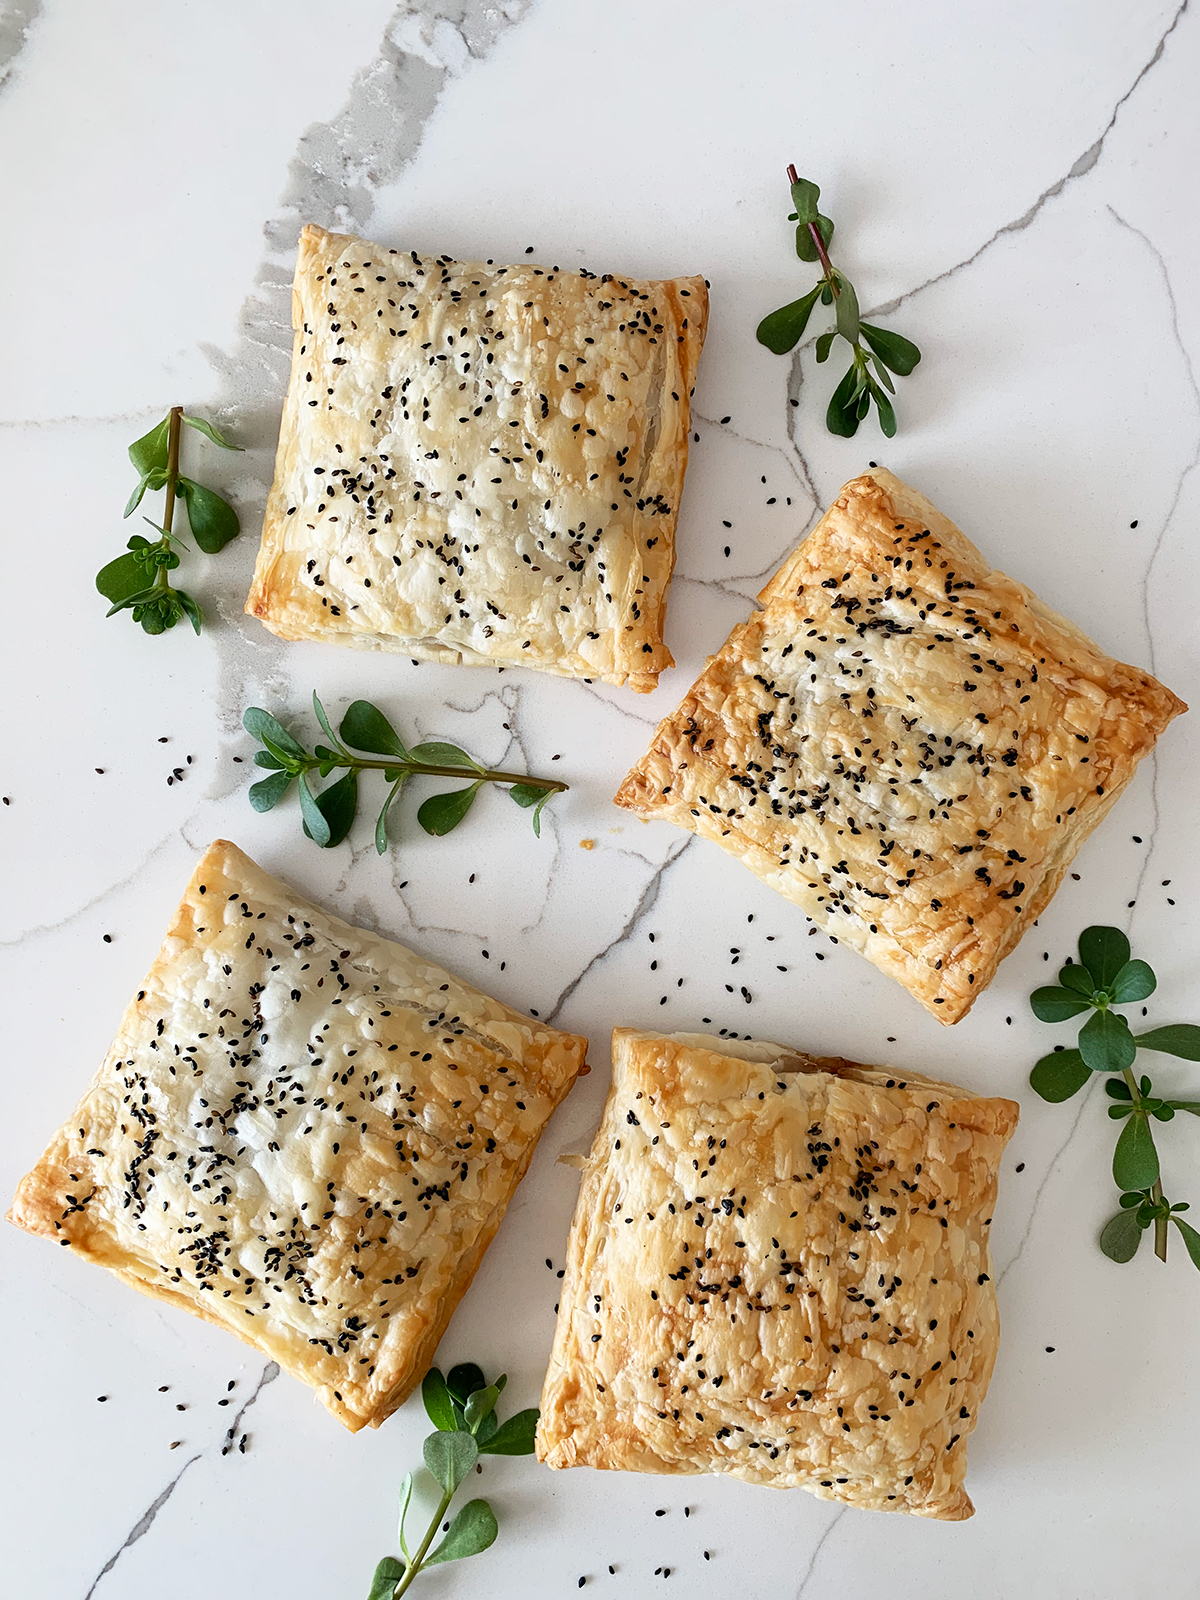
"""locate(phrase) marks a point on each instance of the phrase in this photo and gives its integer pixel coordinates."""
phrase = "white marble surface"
(1019, 180)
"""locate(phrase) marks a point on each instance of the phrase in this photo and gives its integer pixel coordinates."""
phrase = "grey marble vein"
(812, 1560)
(1194, 386)
(1078, 169)
(646, 901)
(268, 1375)
(1156, 548)
(143, 1525)
(97, 899)
(1041, 1188)
(17, 18)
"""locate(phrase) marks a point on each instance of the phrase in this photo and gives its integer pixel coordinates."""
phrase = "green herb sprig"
(328, 813)
(1107, 977)
(138, 581)
(870, 371)
(462, 1407)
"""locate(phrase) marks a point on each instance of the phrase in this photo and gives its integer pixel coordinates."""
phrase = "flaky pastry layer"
(779, 1269)
(304, 1133)
(480, 464)
(905, 742)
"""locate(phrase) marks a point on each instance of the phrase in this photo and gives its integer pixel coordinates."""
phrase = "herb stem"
(1160, 1223)
(552, 785)
(818, 242)
(175, 428)
(414, 1566)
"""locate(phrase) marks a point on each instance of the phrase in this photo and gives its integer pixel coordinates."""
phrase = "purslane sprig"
(138, 581)
(876, 353)
(462, 1407)
(1107, 977)
(329, 813)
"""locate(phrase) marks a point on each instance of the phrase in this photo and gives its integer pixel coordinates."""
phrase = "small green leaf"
(381, 838)
(887, 414)
(1135, 981)
(213, 520)
(435, 753)
(268, 793)
(1103, 951)
(338, 805)
(319, 711)
(825, 344)
(896, 352)
(387, 1575)
(442, 813)
(486, 1430)
(366, 728)
(806, 247)
(1129, 1201)
(1059, 1075)
(527, 794)
(464, 1379)
(315, 825)
(149, 453)
(884, 376)
(805, 196)
(479, 1405)
(841, 417)
(1077, 979)
(191, 610)
(1056, 1005)
(1190, 1238)
(782, 330)
(262, 725)
(1176, 1039)
(436, 1398)
(137, 598)
(210, 432)
(126, 575)
(537, 812)
(405, 1498)
(149, 480)
(514, 1437)
(847, 310)
(473, 1530)
(450, 1456)
(1121, 1236)
(264, 758)
(1117, 1089)
(1135, 1160)
(1106, 1044)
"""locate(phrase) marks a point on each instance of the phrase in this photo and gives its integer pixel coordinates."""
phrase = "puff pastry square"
(904, 742)
(304, 1133)
(779, 1269)
(480, 464)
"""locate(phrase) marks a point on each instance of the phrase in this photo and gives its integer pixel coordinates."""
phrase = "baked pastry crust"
(480, 464)
(304, 1133)
(779, 1269)
(905, 742)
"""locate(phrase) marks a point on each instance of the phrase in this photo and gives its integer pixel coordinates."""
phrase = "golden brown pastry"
(480, 464)
(304, 1133)
(779, 1269)
(905, 742)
